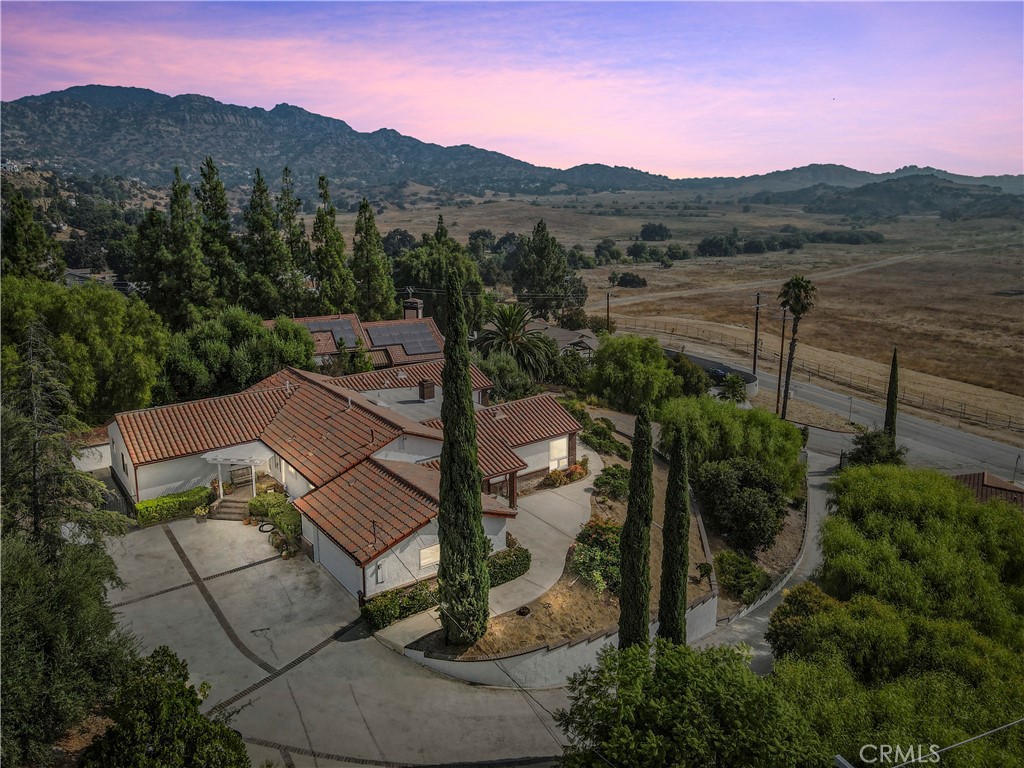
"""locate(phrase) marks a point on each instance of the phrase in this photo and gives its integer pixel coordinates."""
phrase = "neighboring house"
(987, 486)
(414, 339)
(73, 277)
(583, 342)
(94, 453)
(361, 471)
(519, 442)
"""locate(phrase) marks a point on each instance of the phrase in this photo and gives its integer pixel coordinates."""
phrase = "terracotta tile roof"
(94, 437)
(171, 431)
(388, 379)
(380, 358)
(375, 505)
(357, 326)
(323, 343)
(987, 486)
(501, 428)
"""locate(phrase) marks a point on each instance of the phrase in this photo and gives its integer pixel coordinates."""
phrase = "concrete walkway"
(547, 523)
(750, 629)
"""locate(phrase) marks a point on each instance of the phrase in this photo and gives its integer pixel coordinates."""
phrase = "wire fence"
(870, 385)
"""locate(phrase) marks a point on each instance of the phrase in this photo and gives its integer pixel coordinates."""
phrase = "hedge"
(396, 604)
(173, 505)
(276, 508)
(508, 564)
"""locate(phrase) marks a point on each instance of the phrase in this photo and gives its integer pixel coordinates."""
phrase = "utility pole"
(782, 353)
(757, 327)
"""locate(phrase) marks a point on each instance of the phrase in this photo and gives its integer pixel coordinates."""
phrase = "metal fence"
(877, 387)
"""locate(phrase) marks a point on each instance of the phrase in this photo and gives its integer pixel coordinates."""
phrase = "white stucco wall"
(401, 563)
(174, 475)
(119, 454)
(535, 455)
(91, 459)
(294, 483)
(409, 448)
(330, 556)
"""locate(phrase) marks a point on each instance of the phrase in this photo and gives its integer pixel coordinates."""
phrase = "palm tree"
(507, 333)
(797, 295)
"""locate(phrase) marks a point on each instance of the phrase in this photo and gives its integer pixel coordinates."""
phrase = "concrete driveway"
(282, 646)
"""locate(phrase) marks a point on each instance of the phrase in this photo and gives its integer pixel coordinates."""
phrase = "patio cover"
(248, 453)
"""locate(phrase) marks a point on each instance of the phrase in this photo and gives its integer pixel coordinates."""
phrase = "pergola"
(251, 455)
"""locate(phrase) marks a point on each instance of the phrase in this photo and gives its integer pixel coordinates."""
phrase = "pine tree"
(635, 543)
(375, 286)
(892, 398)
(169, 261)
(462, 576)
(27, 250)
(294, 295)
(219, 247)
(539, 275)
(264, 255)
(329, 268)
(675, 559)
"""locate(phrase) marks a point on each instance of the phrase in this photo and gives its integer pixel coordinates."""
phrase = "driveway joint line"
(217, 612)
(334, 637)
(190, 583)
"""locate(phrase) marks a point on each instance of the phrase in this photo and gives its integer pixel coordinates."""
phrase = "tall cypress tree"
(635, 543)
(892, 398)
(375, 286)
(294, 295)
(675, 559)
(462, 577)
(219, 247)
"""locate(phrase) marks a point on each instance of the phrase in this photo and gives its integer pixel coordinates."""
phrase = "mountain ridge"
(140, 133)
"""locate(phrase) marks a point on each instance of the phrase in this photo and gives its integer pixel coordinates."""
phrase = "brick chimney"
(426, 390)
(413, 309)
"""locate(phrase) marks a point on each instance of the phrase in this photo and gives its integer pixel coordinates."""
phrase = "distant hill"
(138, 133)
(903, 195)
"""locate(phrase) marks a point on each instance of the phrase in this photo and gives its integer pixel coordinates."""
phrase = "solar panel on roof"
(414, 339)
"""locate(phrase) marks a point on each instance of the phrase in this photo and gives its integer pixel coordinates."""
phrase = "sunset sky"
(682, 89)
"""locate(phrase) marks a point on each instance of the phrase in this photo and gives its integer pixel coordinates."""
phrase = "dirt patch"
(805, 413)
(67, 753)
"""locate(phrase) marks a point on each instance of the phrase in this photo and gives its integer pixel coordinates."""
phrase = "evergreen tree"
(27, 250)
(264, 254)
(329, 268)
(375, 287)
(462, 577)
(675, 560)
(176, 282)
(540, 272)
(40, 486)
(892, 398)
(294, 295)
(219, 247)
(635, 543)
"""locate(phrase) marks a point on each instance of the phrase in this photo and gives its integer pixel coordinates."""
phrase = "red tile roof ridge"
(250, 391)
(389, 468)
(414, 372)
(383, 415)
(989, 480)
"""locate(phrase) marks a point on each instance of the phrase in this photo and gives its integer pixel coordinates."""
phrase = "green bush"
(173, 505)
(395, 604)
(596, 555)
(508, 564)
(599, 434)
(740, 576)
(276, 508)
(613, 481)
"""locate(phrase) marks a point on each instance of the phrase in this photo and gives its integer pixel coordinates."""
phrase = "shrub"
(613, 482)
(596, 555)
(575, 472)
(555, 478)
(276, 508)
(740, 576)
(173, 505)
(508, 564)
(395, 604)
(598, 434)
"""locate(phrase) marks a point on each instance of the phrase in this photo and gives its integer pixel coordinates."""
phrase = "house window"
(558, 453)
(275, 464)
(124, 465)
(430, 555)
(380, 573)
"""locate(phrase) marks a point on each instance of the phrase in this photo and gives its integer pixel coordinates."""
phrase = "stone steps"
(229, 509)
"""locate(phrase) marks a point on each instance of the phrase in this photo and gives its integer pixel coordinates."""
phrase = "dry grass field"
(949, 295)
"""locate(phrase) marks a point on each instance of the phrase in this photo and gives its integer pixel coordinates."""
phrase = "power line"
(961, 743)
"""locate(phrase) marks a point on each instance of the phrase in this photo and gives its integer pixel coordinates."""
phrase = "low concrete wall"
(548, 665)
